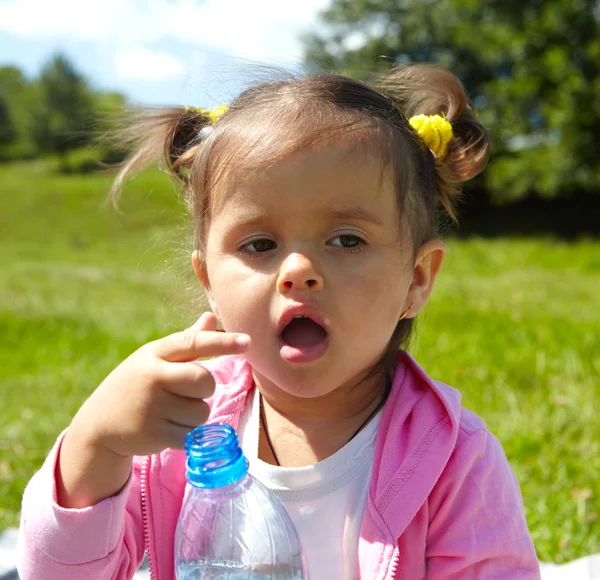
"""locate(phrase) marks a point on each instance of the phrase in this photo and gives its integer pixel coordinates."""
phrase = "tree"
(8, 131)
(532, 68)
(16, 100)
(64, 112)
(110, 113)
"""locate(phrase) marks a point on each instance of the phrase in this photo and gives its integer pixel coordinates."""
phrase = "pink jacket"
(443, 502)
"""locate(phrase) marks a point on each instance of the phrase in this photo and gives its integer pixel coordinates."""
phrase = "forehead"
(311, 183)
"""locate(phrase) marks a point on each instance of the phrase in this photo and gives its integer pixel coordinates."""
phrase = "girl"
(316, 204)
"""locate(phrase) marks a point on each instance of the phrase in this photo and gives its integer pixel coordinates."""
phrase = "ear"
(201, 273)
(427, 266)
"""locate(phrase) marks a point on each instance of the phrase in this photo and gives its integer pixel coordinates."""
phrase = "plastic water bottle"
(231, 527)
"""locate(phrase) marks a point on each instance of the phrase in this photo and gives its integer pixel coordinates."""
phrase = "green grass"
(514, 324)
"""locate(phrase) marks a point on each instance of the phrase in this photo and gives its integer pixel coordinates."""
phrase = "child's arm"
(147, 404)
(103, 541)
(477, 524)
(81, 512)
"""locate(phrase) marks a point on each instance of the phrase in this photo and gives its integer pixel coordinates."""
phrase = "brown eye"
(259, 246)
(346, 241)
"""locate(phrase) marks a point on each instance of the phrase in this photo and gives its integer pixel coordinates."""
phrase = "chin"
(304, 381)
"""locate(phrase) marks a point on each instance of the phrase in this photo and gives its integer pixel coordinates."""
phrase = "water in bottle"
(231, 527)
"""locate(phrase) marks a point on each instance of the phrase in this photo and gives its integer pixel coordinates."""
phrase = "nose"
(298, 273)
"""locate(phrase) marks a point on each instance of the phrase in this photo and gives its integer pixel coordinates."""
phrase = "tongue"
(303, 332)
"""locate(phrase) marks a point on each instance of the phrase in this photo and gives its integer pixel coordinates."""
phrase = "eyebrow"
(356, 213)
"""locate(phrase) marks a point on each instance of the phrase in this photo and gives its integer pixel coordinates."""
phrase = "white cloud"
(81, 20)
(263, 30)
(147, 65)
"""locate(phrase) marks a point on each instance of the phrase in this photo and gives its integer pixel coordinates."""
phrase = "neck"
(304, 431)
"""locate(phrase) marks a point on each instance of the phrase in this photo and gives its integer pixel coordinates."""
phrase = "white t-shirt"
(325, 501)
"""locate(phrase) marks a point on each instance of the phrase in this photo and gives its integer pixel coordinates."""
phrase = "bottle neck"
(214, 457)
(231, 490)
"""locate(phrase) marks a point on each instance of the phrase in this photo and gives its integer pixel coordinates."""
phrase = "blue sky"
(195, 52)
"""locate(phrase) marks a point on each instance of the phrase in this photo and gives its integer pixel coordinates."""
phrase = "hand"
(156, 396)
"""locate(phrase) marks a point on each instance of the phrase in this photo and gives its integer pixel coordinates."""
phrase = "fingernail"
(242, 340)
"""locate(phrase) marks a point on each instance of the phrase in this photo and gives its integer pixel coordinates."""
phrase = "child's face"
(316, 235)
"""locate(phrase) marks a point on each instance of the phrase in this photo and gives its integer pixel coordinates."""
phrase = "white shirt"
(325, 501)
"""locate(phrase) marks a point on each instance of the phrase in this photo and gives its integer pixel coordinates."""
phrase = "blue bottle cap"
(214, 457)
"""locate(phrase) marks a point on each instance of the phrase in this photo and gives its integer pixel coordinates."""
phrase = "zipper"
(395, 564)
(145, 514)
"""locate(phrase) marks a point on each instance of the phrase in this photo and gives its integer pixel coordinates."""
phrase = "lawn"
(515, 324)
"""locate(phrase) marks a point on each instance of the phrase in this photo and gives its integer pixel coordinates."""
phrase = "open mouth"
(303, 340)
(303, 332)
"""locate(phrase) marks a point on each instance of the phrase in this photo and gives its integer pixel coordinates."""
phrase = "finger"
(174, 434)
(187, 380)
(185, 412)
(194, 343)
(207, 321)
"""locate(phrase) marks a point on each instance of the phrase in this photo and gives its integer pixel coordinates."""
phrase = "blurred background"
(514, 321)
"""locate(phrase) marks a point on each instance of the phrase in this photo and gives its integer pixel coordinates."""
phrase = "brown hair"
(272, 120)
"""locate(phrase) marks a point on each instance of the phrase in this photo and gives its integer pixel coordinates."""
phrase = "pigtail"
(431, 90)
(170, 137)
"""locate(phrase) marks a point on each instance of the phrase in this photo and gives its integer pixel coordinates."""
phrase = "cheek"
(378, 298)
(240, 296)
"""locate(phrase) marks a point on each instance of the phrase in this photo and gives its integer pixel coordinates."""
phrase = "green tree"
(8, 131)
(64, 109)
(110, 113)
(532, 67)
(16, 101)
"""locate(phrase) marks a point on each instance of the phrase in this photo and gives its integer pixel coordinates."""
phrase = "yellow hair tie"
(213, 114)
(435, 131)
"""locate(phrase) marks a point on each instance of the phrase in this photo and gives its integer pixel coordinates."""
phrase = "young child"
(316, 203)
